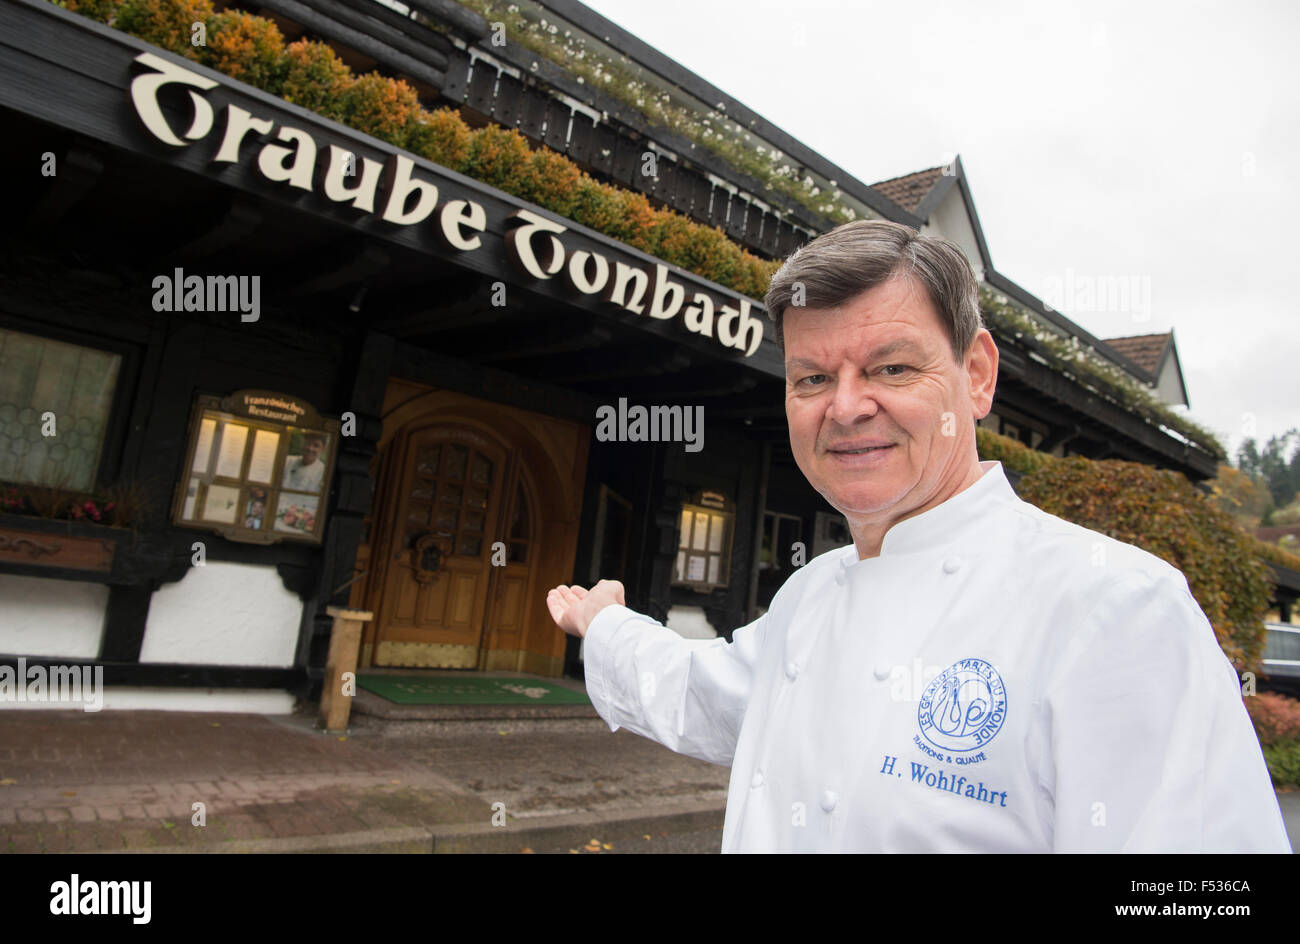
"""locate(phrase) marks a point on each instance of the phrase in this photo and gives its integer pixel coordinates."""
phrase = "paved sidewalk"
(129, 781)
(72, 781)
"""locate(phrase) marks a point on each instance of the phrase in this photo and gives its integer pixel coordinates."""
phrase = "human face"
(878, 370)
(311, 450)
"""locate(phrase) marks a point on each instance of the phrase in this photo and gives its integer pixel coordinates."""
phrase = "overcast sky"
(1158, 143)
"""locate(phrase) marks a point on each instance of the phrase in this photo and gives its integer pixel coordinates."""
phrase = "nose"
(853, 399)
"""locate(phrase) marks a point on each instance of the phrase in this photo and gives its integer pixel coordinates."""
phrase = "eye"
(898, 366)
(811, 377)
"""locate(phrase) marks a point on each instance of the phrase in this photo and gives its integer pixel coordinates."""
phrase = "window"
(780, 534)
(55, 400)
(704, 547)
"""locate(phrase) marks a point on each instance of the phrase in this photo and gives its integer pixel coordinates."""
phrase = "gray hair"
(852, 258)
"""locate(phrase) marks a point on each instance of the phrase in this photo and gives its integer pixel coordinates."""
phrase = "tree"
(1272, 466)
(1240, 495)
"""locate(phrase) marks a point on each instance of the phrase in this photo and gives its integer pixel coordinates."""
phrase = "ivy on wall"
(1160, 511)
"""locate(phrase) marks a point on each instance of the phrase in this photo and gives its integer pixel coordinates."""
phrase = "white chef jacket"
(998, 679)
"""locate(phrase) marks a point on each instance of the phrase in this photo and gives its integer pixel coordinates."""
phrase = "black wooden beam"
(488, 383)
(333, 28)
(241, 218)
(124, 623)
(701, 384)
(545, 341)
(617, 365)
(347, 265)
(367, 21)
(75, 175)
(461, 19)
(421, 35)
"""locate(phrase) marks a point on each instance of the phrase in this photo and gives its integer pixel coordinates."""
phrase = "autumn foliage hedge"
(310, 74)
(1277, 723)
(1161, 512)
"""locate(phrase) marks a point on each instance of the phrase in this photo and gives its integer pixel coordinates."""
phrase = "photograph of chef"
(1075, 698)
(304, 473)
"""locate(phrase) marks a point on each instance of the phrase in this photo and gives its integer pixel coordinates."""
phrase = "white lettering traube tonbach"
(292, 157)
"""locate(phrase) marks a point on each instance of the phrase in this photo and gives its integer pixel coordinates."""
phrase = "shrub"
(441, 136)
(551, 180)
(1011, 453)
(1276, 718)
(165, 23)
(246, 47)
(381, 107)
(1284, 764)
(1161, 512)
(499, 157)
(102, 10)
(315, 78)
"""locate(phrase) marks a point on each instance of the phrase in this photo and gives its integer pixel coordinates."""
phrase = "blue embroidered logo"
(964, 707)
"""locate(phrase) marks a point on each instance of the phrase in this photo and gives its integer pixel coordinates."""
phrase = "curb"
(559, 833)
(405, 839)
(372, 705)
(549, 833)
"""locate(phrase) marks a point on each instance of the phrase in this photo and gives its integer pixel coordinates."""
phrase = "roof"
(1145, 350)
(909, 190)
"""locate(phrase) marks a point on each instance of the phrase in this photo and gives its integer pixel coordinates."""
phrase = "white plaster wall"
(224, 614)
(689, 622)
(1167, 386)
(951, 221)
(42, 617)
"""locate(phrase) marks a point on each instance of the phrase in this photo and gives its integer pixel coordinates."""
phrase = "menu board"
(258, 468)
(704, 542)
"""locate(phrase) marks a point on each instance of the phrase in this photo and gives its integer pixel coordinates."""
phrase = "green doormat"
(444, 690)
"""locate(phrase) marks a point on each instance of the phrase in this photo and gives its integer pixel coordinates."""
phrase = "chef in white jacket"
(972, 674)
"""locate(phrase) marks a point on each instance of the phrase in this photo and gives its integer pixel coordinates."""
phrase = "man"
(972, 674)
(305, 473)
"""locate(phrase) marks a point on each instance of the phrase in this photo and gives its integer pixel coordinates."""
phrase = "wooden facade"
(470, 479)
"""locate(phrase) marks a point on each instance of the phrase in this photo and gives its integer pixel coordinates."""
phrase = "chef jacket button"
(829, 799)
(791, 671)
(951, 565)
(882, 671)
(756, 781)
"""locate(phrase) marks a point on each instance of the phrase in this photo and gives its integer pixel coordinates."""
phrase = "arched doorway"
(476, 514)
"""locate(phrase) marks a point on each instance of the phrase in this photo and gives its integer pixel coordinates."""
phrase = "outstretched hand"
(573, 608)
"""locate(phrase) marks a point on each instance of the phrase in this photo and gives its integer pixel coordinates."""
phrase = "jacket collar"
(962, 513)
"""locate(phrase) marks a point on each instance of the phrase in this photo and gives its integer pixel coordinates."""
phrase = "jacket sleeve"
(689, 695)
(1152, 749)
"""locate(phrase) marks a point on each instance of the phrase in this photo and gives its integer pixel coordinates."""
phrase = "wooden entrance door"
(522, 483)
(443, 518)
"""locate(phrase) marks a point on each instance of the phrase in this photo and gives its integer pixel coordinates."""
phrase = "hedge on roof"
(310, 74)
(1160, 511)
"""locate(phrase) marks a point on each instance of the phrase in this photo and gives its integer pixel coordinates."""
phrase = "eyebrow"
(898, 345)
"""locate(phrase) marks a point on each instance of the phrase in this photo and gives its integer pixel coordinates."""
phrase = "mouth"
(861, 450)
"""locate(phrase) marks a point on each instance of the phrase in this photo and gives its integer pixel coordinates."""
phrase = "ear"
(982, 368)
